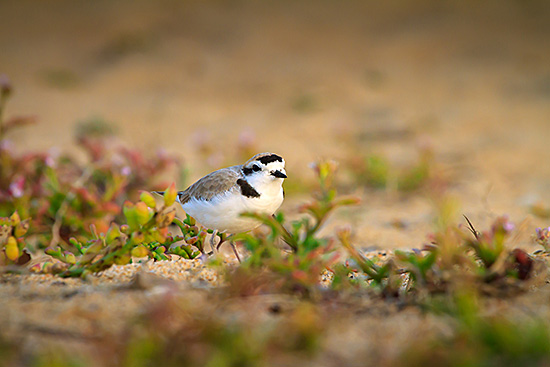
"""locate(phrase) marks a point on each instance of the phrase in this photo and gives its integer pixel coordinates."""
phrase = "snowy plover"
(217, 200)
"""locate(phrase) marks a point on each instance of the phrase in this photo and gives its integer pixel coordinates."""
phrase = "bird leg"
(224, 238)
(235, 250)
(213, 242)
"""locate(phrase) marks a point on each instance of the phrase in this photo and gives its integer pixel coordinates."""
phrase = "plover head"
(265, 169)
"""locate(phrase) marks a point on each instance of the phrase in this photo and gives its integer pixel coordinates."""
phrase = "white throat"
(265, 184)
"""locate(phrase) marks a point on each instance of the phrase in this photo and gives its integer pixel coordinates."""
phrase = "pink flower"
(126, 171)
(508, 226)
(6, 145)
(50, 162)
(51, 158)
(17, 187)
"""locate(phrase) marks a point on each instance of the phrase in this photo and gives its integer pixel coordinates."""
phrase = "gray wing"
(212, 184)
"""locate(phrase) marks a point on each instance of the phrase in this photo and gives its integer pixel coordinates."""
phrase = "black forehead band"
(270, 158)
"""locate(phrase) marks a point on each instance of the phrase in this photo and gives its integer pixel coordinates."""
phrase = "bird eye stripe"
(256, 168)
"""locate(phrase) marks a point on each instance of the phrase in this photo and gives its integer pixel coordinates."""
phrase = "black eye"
(256, 168)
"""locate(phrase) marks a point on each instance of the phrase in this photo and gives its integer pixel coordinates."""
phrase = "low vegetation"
(71, 219)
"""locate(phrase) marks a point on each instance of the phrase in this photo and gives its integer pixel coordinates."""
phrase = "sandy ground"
(306, 80)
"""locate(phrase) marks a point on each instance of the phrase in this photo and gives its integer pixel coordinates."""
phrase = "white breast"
(222, 212)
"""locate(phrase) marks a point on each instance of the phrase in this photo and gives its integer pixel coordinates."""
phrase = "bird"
(218, 199)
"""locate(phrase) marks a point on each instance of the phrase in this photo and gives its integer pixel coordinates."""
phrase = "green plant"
(65, 197)
(12, 241)
(175, 332)
(451, 261)
(145, 233)
(6, 90)
(542, 238)
(488, 246)
(481, 340)
(540, 210)
(383, 277)
(377, 172)
(299, 269)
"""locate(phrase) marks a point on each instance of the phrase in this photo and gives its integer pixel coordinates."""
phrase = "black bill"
(278, 174)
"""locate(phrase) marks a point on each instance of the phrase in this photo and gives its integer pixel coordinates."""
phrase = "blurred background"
(210, 81)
